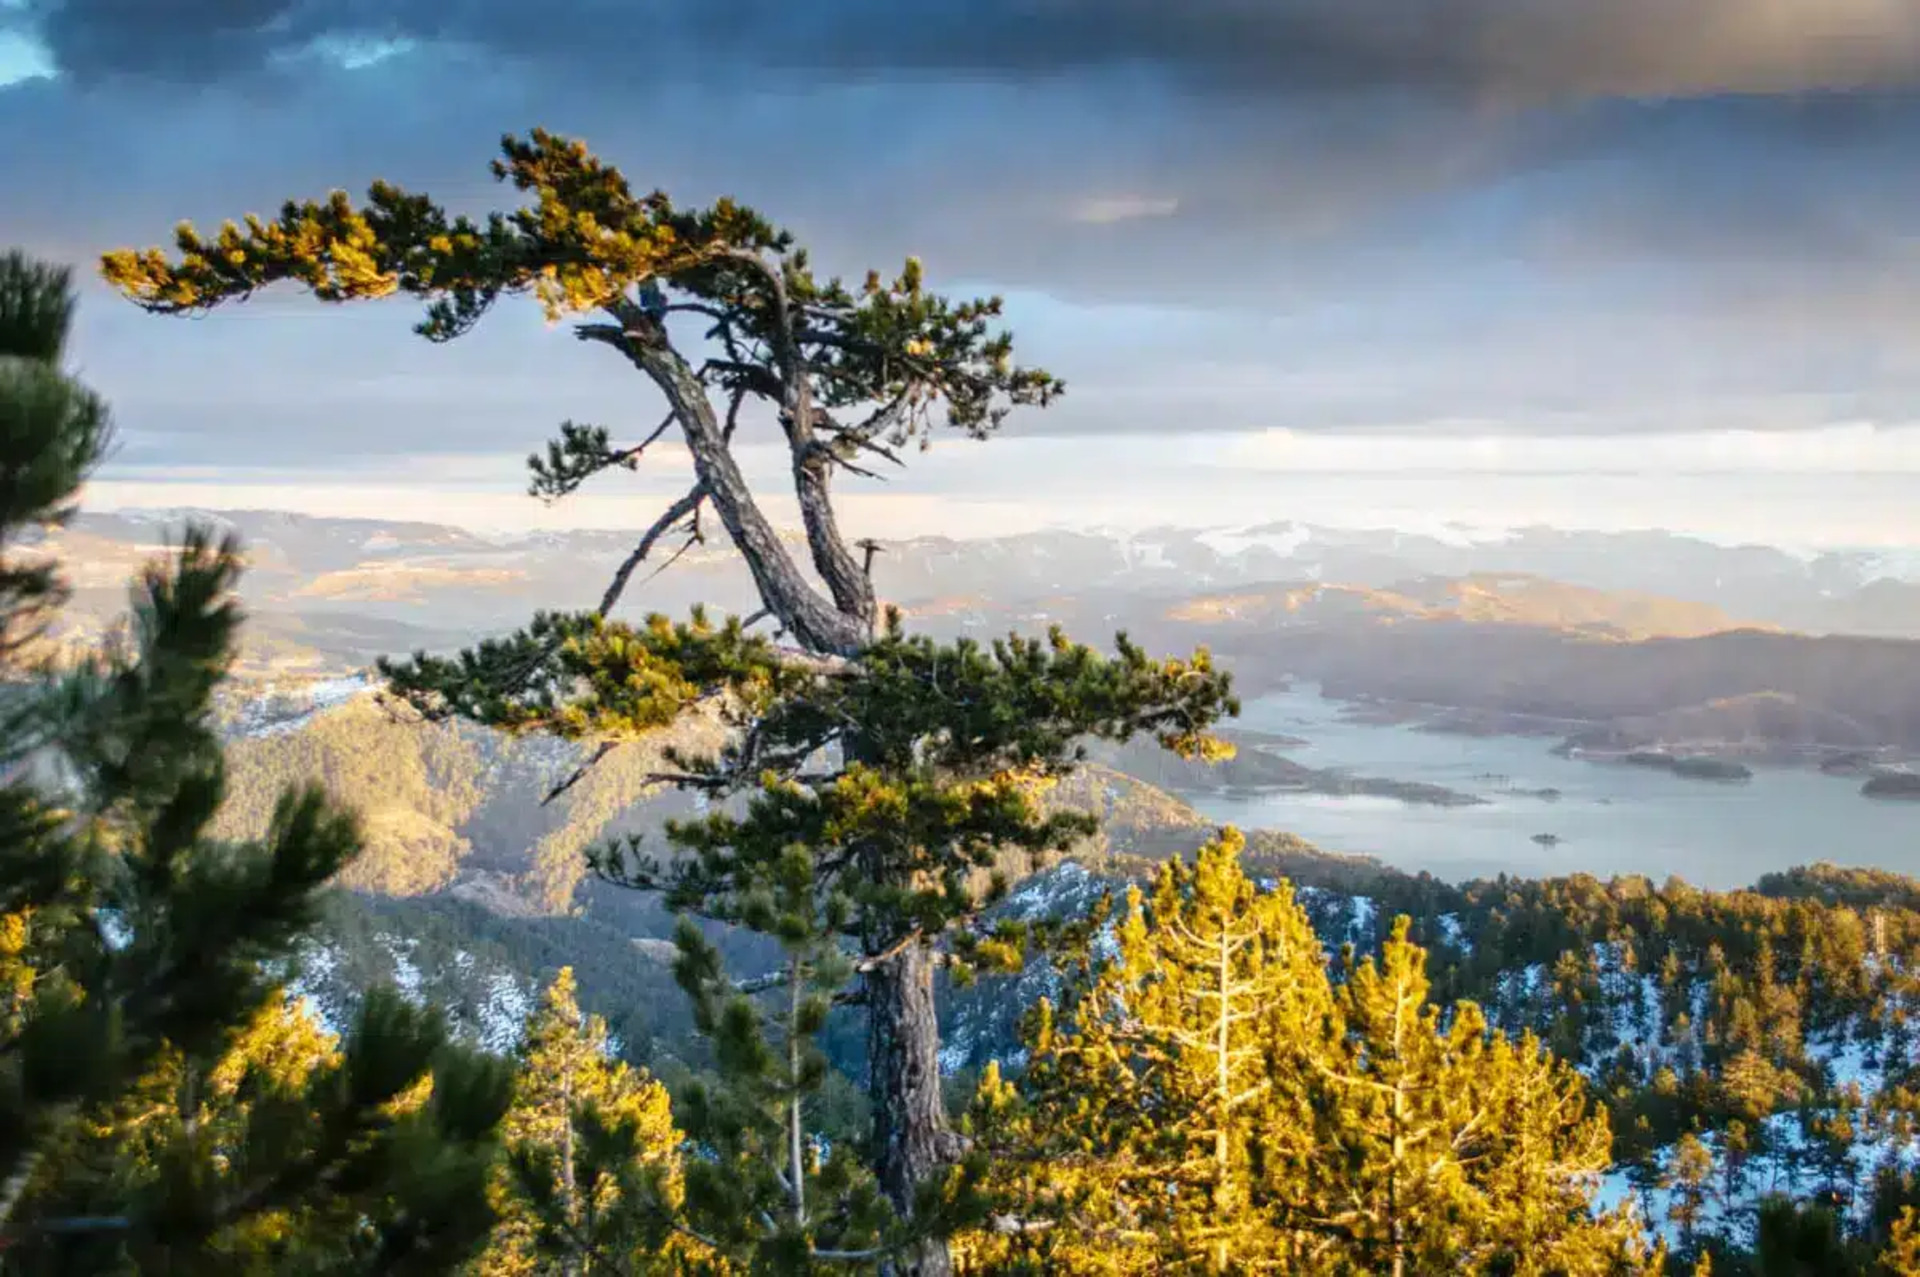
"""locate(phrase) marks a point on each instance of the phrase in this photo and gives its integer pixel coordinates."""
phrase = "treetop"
(586, 242)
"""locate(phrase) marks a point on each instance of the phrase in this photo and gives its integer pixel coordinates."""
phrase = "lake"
(1611, 818)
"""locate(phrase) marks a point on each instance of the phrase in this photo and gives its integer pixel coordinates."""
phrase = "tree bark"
(911, 1140)
(846, 579)
(1223, 1102)
(796, 1126)
(815, 623)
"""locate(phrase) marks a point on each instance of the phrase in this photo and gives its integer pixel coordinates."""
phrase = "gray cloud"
(1582, 215)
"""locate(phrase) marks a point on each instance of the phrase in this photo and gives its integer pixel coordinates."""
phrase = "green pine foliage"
(289, 1153)
(946, 753)
(775, 1191)
(953, 748)
(1745, 1042)
(144, 1122)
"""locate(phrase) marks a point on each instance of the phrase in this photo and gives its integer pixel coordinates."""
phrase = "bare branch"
(882, 419)
(634, 452)
(733, 414)
(699, 308)
(751, 375)
(673, 514)
(862, 471)
(580, 773)
(778, 979)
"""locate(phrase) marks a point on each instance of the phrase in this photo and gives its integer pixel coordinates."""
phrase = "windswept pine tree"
(161, 1108)
(1210, 1099)
(892, 772)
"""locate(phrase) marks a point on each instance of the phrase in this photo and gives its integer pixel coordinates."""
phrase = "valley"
(1391, 710)
(1607, 643)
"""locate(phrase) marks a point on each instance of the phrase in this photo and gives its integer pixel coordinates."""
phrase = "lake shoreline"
(1577, 739)
(1544, 814)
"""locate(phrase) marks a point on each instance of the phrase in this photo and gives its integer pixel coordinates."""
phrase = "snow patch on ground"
(288, 710)
(1063, 889)
(1364, 912)
(407, 977)
(486, 1005)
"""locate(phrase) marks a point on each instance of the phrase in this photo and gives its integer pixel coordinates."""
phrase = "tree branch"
(580, 773)
(629, 454)
(778, 979)
(852, 592)
(818, 625)
(687, 505)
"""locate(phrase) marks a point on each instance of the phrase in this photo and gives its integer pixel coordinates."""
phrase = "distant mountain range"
(435, 577)
(1634, 640)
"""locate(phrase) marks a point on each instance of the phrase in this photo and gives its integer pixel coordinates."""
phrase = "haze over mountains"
(1612, 641)
(439, 577)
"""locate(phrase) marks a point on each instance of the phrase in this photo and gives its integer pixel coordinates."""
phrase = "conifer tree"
(1459, 1147)
(291, 1153)
(1902, 1254)
(1158, 1074)
(1689, 1183)
(1792, 1237)
(136, 954)
(1363, 1130)
(768, 1194)
(929, 748)
(592, 1177)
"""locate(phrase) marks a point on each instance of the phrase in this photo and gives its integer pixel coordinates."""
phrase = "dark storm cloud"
(1525, 47)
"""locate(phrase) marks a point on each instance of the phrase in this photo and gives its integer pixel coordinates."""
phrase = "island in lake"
(1891, 784)
(1693, 767)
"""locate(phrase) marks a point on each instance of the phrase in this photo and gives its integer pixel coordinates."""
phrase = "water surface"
(1611, 818)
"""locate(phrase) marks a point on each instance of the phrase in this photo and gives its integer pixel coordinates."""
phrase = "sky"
(1595, 263)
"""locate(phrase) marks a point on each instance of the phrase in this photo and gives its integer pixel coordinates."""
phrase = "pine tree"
(136, 954)
(1689, 1181)
(768, 1194)
(1160, 1077)
(931, 747)
(291, 1153)
(593, 1173)
(1902, 1254)
(1461, 1147)
(1792, 1238)
(1364, 1130)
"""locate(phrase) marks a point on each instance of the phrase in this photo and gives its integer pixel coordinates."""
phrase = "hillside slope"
(1481, 598)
